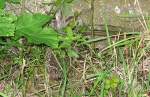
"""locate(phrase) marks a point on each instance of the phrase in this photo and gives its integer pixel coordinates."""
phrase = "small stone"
(117, 10)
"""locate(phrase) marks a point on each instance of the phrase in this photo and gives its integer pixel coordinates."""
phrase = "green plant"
(80, 70)
(7, 25)
(106, 82)
(36, 30)
(3, 95)
(2, 2)
(29, 26)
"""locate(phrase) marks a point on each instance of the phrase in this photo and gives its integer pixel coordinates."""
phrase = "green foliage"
(68, 39)
(112, 83)
(47, 36)
(35, 28)
(107, 82)
(2, 4)
(3, 95)
(7, 25)
(28, 23)
(31, 27)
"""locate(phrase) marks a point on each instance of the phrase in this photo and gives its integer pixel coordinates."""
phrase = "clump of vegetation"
(52, 55)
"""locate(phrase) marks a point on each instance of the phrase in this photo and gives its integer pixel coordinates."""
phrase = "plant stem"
(92, 21)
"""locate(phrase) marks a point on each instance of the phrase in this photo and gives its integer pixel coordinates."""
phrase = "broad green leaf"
(47, 36)
(28, 23)
(31, 27)
(2, 4)
(7, 26)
